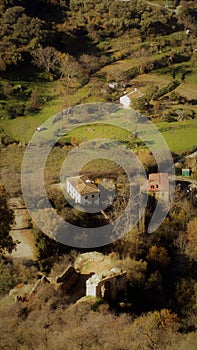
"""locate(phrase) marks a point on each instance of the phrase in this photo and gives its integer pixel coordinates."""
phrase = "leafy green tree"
(18, 34)
(105, 18)
(6, 221)
(158, 256)
(35, 102)
(155, 20)
(47, 251)
(151, 91)
(141, 104)
(27, 31)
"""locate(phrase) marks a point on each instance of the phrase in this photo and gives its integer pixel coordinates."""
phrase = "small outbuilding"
(125, 100)
(186, 172)
(158, 185)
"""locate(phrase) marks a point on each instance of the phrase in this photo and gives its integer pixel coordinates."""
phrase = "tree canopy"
(6, 220)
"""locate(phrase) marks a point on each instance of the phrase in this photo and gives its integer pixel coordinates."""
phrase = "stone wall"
(107, 285)
(68, 278)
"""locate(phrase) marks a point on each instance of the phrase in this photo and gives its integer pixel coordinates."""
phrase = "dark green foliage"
(27, 26)
(35, 102)
(133, 72)
(20, 100)
(8, 278)
(170, 87)
(15, 109)
(6, 220)
(19, 33)
(142, 104)
(151, 91)
(72, 40)
(48, 251)
(108, 18)
(13, 272)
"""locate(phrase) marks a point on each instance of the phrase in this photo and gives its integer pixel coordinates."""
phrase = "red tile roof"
(158, 182)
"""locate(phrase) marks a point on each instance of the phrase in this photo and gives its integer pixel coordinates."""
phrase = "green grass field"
(180, 136)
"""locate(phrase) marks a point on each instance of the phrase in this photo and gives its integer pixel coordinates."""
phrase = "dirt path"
(20, 231)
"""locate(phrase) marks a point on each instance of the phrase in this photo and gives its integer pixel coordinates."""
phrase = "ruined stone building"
(104, 283)
(107, 285)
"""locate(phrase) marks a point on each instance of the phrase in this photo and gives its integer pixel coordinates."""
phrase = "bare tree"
(143, 58)
(47, 58)
(71, 70)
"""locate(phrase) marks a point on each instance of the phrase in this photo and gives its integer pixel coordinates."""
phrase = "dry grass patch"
(187, 90)
(144, 79)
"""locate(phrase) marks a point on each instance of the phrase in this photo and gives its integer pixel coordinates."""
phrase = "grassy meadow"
(180, 136)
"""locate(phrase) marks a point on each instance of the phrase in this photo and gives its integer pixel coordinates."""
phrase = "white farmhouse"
(125, 100)
(83, 190)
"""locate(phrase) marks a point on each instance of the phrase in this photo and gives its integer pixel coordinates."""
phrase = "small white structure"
(113, 84)
(83, 190)
(41, 128)
(125, 100)
(107, 285)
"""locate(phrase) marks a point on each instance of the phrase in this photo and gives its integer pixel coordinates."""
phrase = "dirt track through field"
(20, 231)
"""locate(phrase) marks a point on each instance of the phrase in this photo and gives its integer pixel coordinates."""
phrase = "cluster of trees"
(161, 266)
(71, 40)
(20, 100)
(6, 221)
(155, 103)
(47, 322)
(161, 270)
(43, 32)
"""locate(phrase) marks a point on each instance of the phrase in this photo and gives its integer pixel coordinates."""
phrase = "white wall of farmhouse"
(73, 193)
(84, 199)
(125, 101)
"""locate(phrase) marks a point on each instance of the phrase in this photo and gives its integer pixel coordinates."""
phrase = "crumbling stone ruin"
(104, 282)
(67, 279)
(107, 285)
